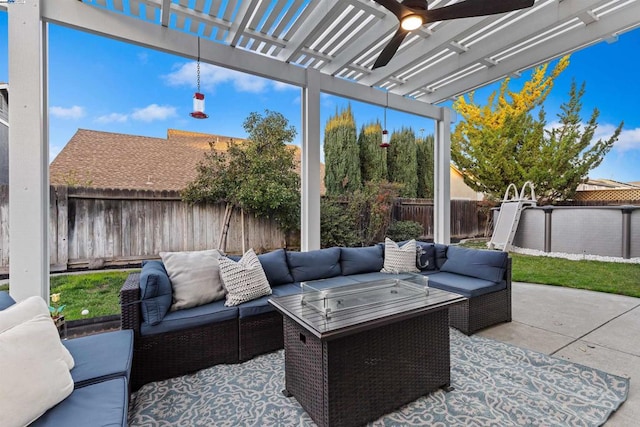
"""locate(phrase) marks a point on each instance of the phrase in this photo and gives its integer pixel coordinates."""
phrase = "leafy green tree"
(502, 142)
(258, 175)
(424, 154)
(341, 154)
(373, 158)
(402, 162)
(336, 226)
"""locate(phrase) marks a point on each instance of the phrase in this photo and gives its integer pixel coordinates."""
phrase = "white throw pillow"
(399, 259)
(26, 310)
(245, 280)
(35, 375)
(195, 277)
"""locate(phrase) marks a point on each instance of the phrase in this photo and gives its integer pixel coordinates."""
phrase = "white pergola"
(318, 45)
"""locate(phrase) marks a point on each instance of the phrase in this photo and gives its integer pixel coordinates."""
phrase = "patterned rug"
(496, 384)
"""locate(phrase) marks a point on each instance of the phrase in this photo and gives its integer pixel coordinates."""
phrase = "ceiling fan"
(413, 14)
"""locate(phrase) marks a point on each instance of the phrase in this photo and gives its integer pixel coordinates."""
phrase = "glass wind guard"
(331, 300)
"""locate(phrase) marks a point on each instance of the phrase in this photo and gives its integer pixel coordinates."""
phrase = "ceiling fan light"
(411, 22)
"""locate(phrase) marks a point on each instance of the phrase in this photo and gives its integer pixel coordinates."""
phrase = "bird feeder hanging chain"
(198, 66)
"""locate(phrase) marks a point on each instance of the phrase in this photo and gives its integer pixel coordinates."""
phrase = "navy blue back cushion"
(275, 267)
(313, 265)
(361, 260)
(441, 254)
(6, 300)
(480, 263)
(155, 292)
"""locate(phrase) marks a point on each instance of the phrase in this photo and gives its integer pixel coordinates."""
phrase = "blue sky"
(101, 84)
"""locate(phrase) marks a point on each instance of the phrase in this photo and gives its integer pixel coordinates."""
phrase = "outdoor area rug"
(496, 384)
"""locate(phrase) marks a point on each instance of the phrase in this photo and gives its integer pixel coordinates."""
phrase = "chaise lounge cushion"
(101, 357)
(207, 314)
(464, 285)
(155, 292)
(100, 404)
(361, 260)
(313, 265)
(6, 300)
(483, 264)
(275, 267)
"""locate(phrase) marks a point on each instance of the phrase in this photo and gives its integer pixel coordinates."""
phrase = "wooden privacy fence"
(98, 228)
(95, 228)
(467, 217)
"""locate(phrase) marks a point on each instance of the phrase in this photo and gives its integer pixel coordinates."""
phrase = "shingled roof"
(113, 160)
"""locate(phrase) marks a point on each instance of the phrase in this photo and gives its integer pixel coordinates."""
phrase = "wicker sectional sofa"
(172, 343)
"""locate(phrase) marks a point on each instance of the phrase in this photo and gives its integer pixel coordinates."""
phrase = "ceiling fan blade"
(469, 8)
(391, 48)
(394, 7)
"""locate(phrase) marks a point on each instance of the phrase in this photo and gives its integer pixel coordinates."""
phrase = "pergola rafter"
(321, 46)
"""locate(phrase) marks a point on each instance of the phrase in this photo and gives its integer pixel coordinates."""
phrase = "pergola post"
(310, 163)
(442, 179)
(28, 152)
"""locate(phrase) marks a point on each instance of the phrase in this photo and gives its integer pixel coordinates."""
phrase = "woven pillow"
(244, 280)
(399, 259)
(195, 277)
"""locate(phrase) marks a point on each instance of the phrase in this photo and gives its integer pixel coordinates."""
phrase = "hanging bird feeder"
(385, 134)
(198, 97)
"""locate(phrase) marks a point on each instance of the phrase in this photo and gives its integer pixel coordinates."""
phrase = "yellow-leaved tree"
(501, 142)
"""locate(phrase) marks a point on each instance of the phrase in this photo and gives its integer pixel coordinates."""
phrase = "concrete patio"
(590, 328)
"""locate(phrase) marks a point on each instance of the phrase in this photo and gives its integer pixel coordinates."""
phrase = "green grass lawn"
(98, 292)
(611, 277)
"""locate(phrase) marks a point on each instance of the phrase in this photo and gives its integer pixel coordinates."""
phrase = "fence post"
(626, 231)
(548, 211)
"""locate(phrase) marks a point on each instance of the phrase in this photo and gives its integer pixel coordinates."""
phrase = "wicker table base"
(354, 379)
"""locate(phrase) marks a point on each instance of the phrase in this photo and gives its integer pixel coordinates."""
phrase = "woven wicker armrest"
(130, 303)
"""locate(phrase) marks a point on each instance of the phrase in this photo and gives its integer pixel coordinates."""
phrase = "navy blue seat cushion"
(101, 404)
(275, 267)
(288, 289)
(427, 256)
(361, 260)
(6, 300)
(101, 356)
(191, 317)
(481, 263)
(255, 306)
(156, 293)
(464, 285)
(313, 265)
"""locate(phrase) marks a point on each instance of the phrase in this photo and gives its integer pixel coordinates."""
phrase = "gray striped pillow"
(399, 259)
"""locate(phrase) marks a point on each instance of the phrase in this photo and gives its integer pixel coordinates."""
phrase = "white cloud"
(629, 139)
(279, 86)
(75, 112)
(113, 118)
(211, 76)
(153, 112)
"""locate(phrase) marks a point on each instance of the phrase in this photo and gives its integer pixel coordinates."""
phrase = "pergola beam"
(626, 17)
